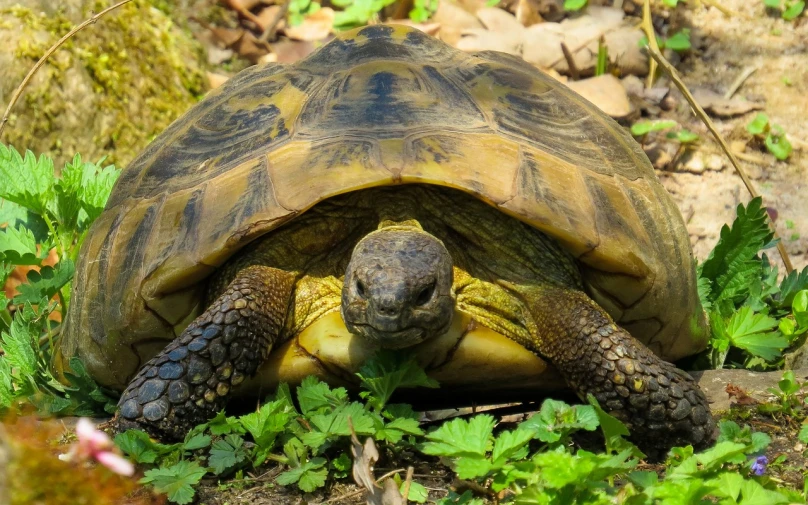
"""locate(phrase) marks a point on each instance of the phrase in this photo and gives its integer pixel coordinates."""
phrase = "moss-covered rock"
(108, 91)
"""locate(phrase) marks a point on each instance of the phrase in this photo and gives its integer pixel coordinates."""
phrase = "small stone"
(151, 390)
(198, 370)
(178, 354)
(197, 344)
(623, 391)
(171, 370)
(156, 410)
(240, 303)
(130, 409)
(656, 413)
(222, 389)
(178, 392)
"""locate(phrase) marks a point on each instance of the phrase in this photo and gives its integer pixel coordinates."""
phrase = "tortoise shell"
(377, 106)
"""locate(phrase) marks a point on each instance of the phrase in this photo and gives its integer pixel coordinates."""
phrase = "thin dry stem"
(47, 55)
(668, 68)
(407, 483)
(360, 491)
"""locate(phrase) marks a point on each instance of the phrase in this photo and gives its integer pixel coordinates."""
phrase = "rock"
(695, 164)
(485, 40)
(717, 105)
(498, 20)
(607, 92)
(107, 92)
(714, 384)
(541, 42)
(454, 20)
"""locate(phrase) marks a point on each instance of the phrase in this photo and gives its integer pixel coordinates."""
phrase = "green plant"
(505, 466)
(789, 9)
(299, 9)
(738, 288)
(786, 392)
(44, 212)
(673, 3)
(359, 12)
(574, 5)
(773, 136)
(679, 41)
(422, 10)
(310, 441)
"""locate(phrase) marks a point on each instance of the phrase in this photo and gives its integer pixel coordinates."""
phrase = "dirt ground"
(725, 47)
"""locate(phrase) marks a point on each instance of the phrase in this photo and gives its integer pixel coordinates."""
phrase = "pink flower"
(95, 444)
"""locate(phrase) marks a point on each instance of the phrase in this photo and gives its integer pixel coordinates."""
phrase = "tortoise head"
(398, 286)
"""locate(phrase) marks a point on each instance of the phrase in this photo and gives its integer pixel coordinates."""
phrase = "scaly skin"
(662, 405)
(192, 378)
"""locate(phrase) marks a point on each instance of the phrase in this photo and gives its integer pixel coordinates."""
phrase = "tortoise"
(391, 192)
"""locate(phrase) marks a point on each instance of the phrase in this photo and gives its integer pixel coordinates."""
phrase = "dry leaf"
(215, 80)
(432, 29)
(453, 20)
(365, 456)
(291, 51)
(270, 15)
(527, 14)
(741, 397)
(315, 26)
(607, 92)
(500, 21)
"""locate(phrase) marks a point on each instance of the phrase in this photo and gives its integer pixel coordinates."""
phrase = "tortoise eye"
(425, 295)
(360, 288)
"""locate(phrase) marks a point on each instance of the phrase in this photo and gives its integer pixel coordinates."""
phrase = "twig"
(269, 33)
(47, 55)
(724, 10)
(570, 62)
(407, 483)
(650, 34)
(360, 491)
(739, 82)
(665, 64)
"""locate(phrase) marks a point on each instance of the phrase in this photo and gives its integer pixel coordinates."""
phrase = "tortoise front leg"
(662, 405)
(190, 380)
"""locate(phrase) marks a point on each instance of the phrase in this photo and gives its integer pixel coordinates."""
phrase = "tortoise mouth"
(399, 339)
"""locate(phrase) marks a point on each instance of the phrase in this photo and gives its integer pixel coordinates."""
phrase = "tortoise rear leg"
(662, 405)
(190, 380)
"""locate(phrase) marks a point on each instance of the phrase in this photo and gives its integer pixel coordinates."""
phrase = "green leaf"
(87, 396)
(752, 333)
(459, 437)
(759, 125)
(308, 476)
(511, 444)
(20, 348)
(574, 5)
(792, 283)
(222, 425)
(644, 127)
(341, 465)
(312, 394)
(196, 442)
(45, 283)
(613, 430)
(176, 481)
(793, 11)
(679, 41)
(775, 4)
(803, 435)
(389, 370)
(26, 181)
(18, 246)
(226, 454)
(556, 420)
(136, 445)
(417, 493)
(779, 146)
(471, 467)
(683, 136)
(266, 424)
(732, 265)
